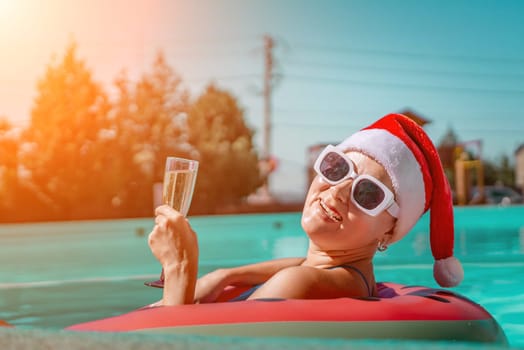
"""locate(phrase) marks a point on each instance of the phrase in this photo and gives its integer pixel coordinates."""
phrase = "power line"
(314, 111)
(323, 125)
(150, 43)
(207, 41)
(176, 51)
(343, 81)
(225, 77)
(513, 75)
(421, 55)
(489, 115)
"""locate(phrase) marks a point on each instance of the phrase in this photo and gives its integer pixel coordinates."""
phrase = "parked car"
(502, 195)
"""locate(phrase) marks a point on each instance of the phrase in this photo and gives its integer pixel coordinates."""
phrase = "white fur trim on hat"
(400, 164)
(412, 162)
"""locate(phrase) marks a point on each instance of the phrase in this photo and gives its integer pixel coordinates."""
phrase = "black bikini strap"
(370, 292)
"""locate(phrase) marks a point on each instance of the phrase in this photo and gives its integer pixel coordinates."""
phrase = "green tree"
(67, 157)
(228, 169)
(500, 171)
(150, 122)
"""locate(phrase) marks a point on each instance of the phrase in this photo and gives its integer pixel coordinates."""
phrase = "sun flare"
(8, 11)
(6, 7)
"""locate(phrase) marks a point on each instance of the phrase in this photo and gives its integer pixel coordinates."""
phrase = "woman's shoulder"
(307, 282)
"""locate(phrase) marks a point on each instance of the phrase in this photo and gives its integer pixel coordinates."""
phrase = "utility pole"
(268, 74)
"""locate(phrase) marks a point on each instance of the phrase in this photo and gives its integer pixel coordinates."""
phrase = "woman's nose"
(341, 191)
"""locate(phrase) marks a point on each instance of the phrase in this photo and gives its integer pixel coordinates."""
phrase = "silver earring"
(382, 247)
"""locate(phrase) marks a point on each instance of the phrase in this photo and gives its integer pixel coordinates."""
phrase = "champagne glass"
(179, 184)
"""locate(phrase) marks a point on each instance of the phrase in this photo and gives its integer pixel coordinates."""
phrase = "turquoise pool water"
(56, 274)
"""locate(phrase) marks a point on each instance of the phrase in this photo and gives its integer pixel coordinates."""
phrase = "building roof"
(417, 118)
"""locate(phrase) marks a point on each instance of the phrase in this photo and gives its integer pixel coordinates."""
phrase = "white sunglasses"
(367, 193)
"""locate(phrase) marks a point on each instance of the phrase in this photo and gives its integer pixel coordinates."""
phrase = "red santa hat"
(406, 152)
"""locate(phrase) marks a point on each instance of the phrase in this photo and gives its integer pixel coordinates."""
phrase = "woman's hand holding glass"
(172, 240)
(174, 243)
(179, 183)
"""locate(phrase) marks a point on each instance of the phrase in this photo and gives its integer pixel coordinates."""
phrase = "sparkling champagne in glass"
(177, 192)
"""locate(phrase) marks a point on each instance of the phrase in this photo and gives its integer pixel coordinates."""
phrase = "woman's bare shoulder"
(305, 282)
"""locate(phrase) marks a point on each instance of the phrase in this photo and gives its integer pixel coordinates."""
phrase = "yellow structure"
(463, 178)
(519, 167)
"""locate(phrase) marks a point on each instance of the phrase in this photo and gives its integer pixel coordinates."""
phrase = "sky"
(338, 64)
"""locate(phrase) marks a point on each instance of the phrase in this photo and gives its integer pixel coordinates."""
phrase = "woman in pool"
(369, 191)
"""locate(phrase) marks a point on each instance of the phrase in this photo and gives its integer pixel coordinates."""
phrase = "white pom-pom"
(448, 272)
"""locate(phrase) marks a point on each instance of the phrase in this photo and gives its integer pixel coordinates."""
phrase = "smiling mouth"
(330, 213)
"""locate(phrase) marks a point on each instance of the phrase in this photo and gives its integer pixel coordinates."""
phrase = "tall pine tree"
(67, 160)
(150, 119)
